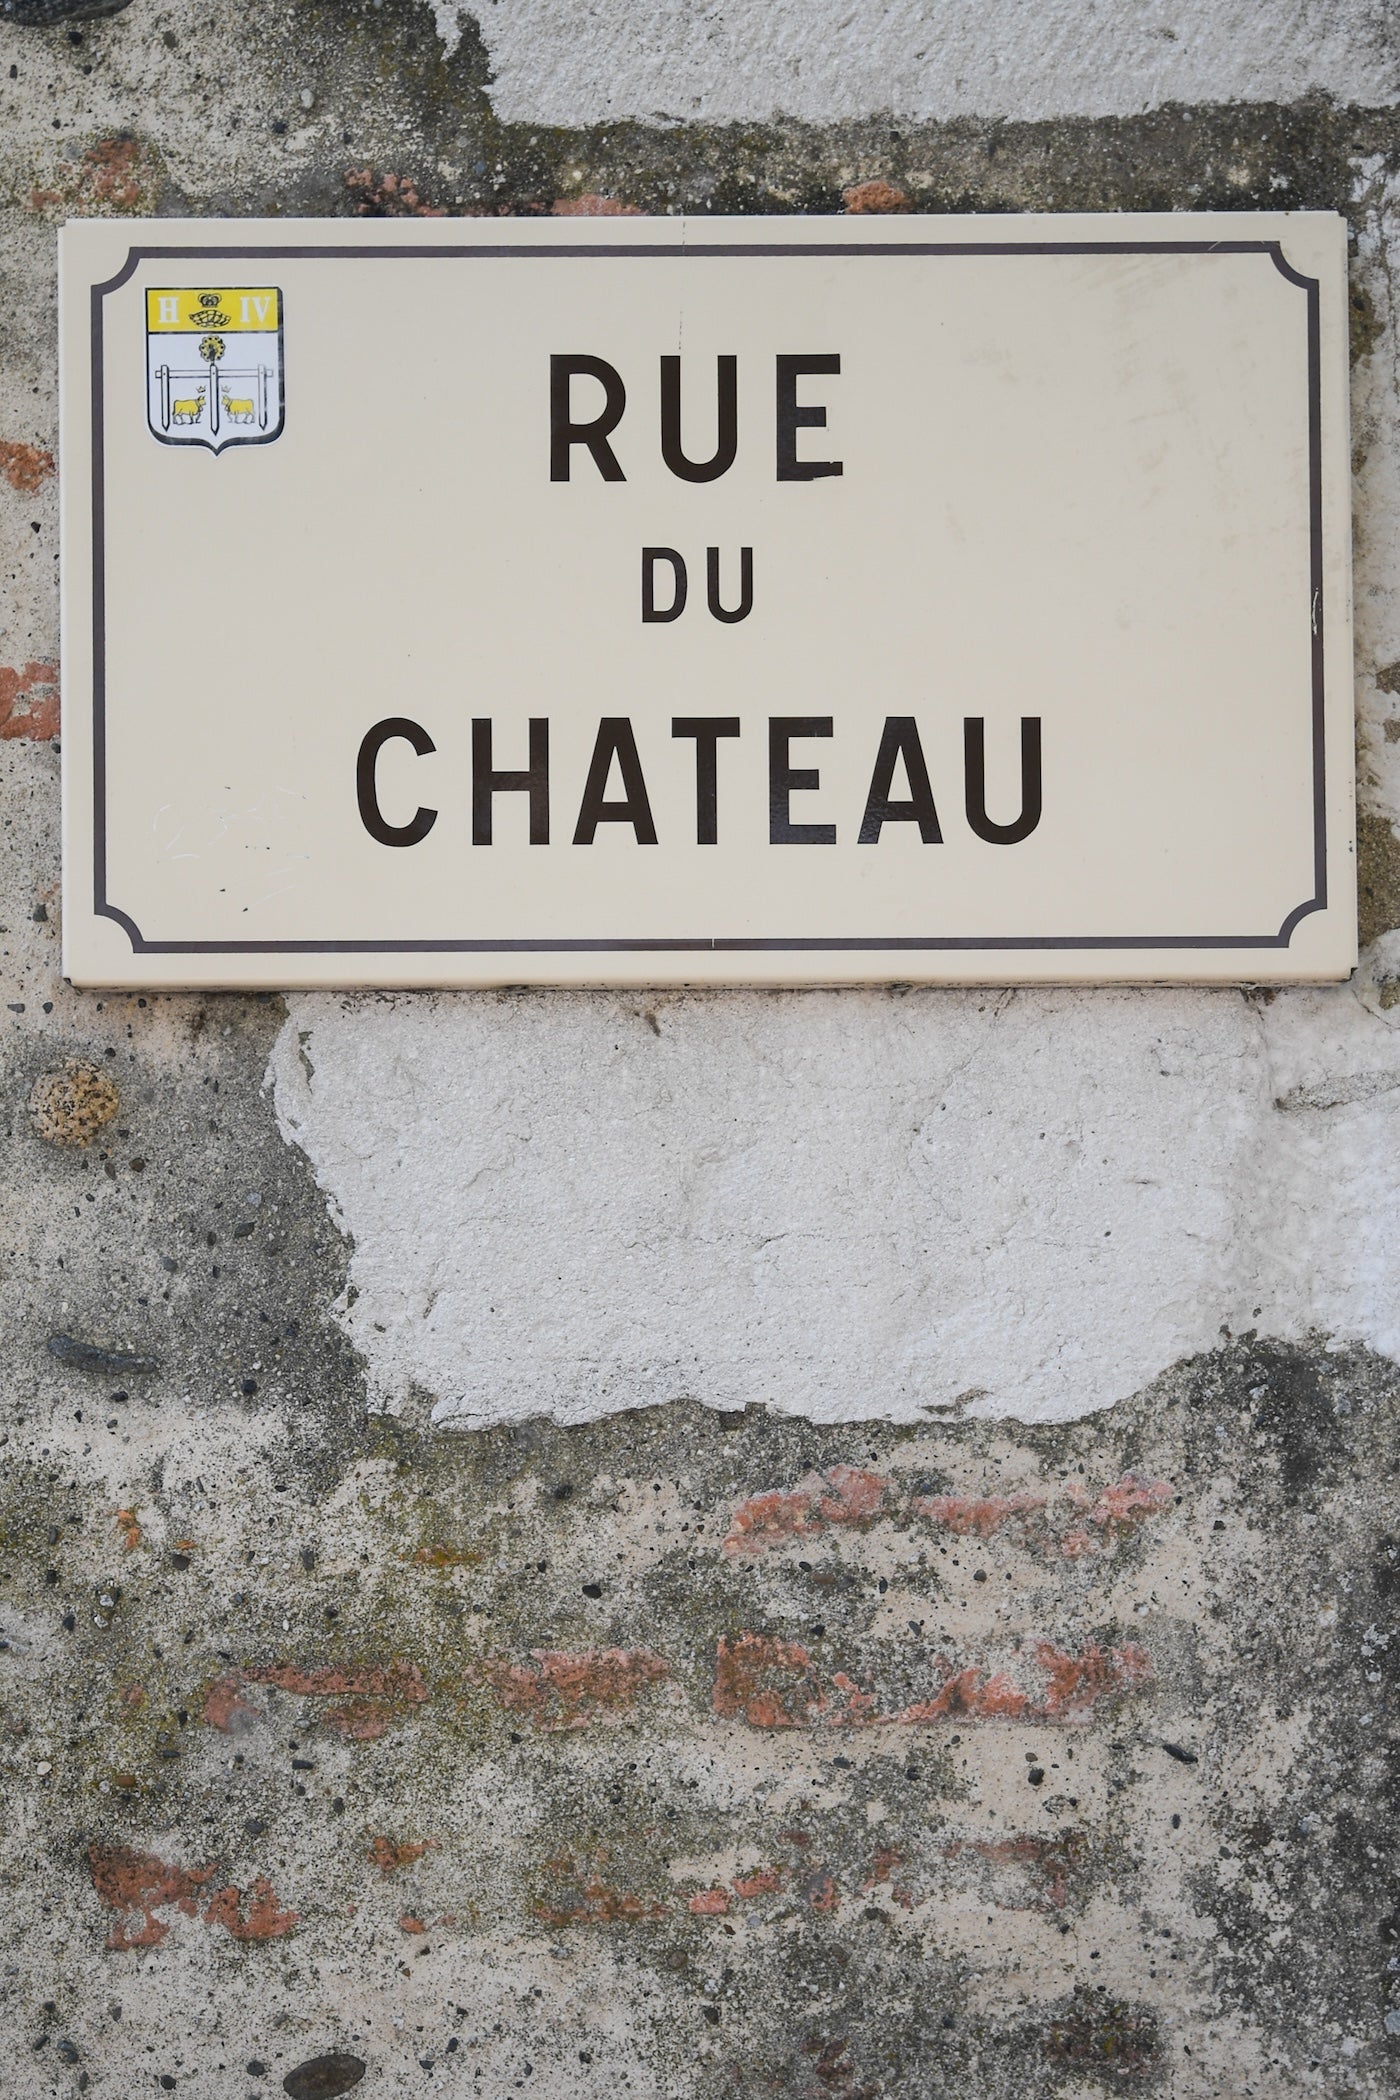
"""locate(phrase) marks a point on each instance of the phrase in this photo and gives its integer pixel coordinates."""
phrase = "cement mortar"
(774, 1719)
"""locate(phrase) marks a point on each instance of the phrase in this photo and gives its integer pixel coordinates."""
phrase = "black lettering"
(615, 741)
(707, 731)
(371, 816)
(564, 432)
(745, 605)
(900, 739)
(791, 418)
(975, 762)
(534, 782)
(784, 780)
(726, 421)
(650, 610)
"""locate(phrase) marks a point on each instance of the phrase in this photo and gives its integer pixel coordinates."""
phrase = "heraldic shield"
(214, 366)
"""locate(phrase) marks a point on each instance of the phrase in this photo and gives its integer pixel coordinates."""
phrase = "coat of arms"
(214, 366)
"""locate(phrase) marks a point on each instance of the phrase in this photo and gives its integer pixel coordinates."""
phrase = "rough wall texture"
(853, 1556)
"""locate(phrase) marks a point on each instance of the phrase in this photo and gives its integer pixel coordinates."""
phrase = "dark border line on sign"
(621, 251)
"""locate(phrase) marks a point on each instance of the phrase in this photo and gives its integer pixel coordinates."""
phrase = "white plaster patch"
(449, 17)
(718, 60)
(844, 1204)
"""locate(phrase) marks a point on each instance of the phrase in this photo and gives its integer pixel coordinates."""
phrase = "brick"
(25, 467)
(568, 1691)
(29, 703)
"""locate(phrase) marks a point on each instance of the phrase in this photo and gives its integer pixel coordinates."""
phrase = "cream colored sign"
(718, 601)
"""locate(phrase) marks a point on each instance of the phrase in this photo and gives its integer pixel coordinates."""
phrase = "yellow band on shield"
(244, 308)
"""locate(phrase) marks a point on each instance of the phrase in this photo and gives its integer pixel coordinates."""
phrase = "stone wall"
(816, 1544)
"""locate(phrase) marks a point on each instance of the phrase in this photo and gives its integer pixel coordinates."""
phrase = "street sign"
(659, 601)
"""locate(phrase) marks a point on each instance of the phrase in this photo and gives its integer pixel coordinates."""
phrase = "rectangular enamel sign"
(714, 601)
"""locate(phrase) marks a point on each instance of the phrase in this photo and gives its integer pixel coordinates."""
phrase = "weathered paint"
(825, 59)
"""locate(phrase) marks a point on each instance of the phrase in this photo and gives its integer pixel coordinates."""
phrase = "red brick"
(25, 467)
(1079, 1682)
(29, 705)
(583, 1897)
(141, 1882)
(842, 1496)
(875, 195)
(764, 1881)
(1116, 1513)
(973, 1516)
(968, 1694)
(773, 1683)
(388, 1853)
(225, 1702)
(375, 1695)
(566, 1691)
(254, 1917)
(1049, 1861)
(709, 1903)
(744, 1668)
